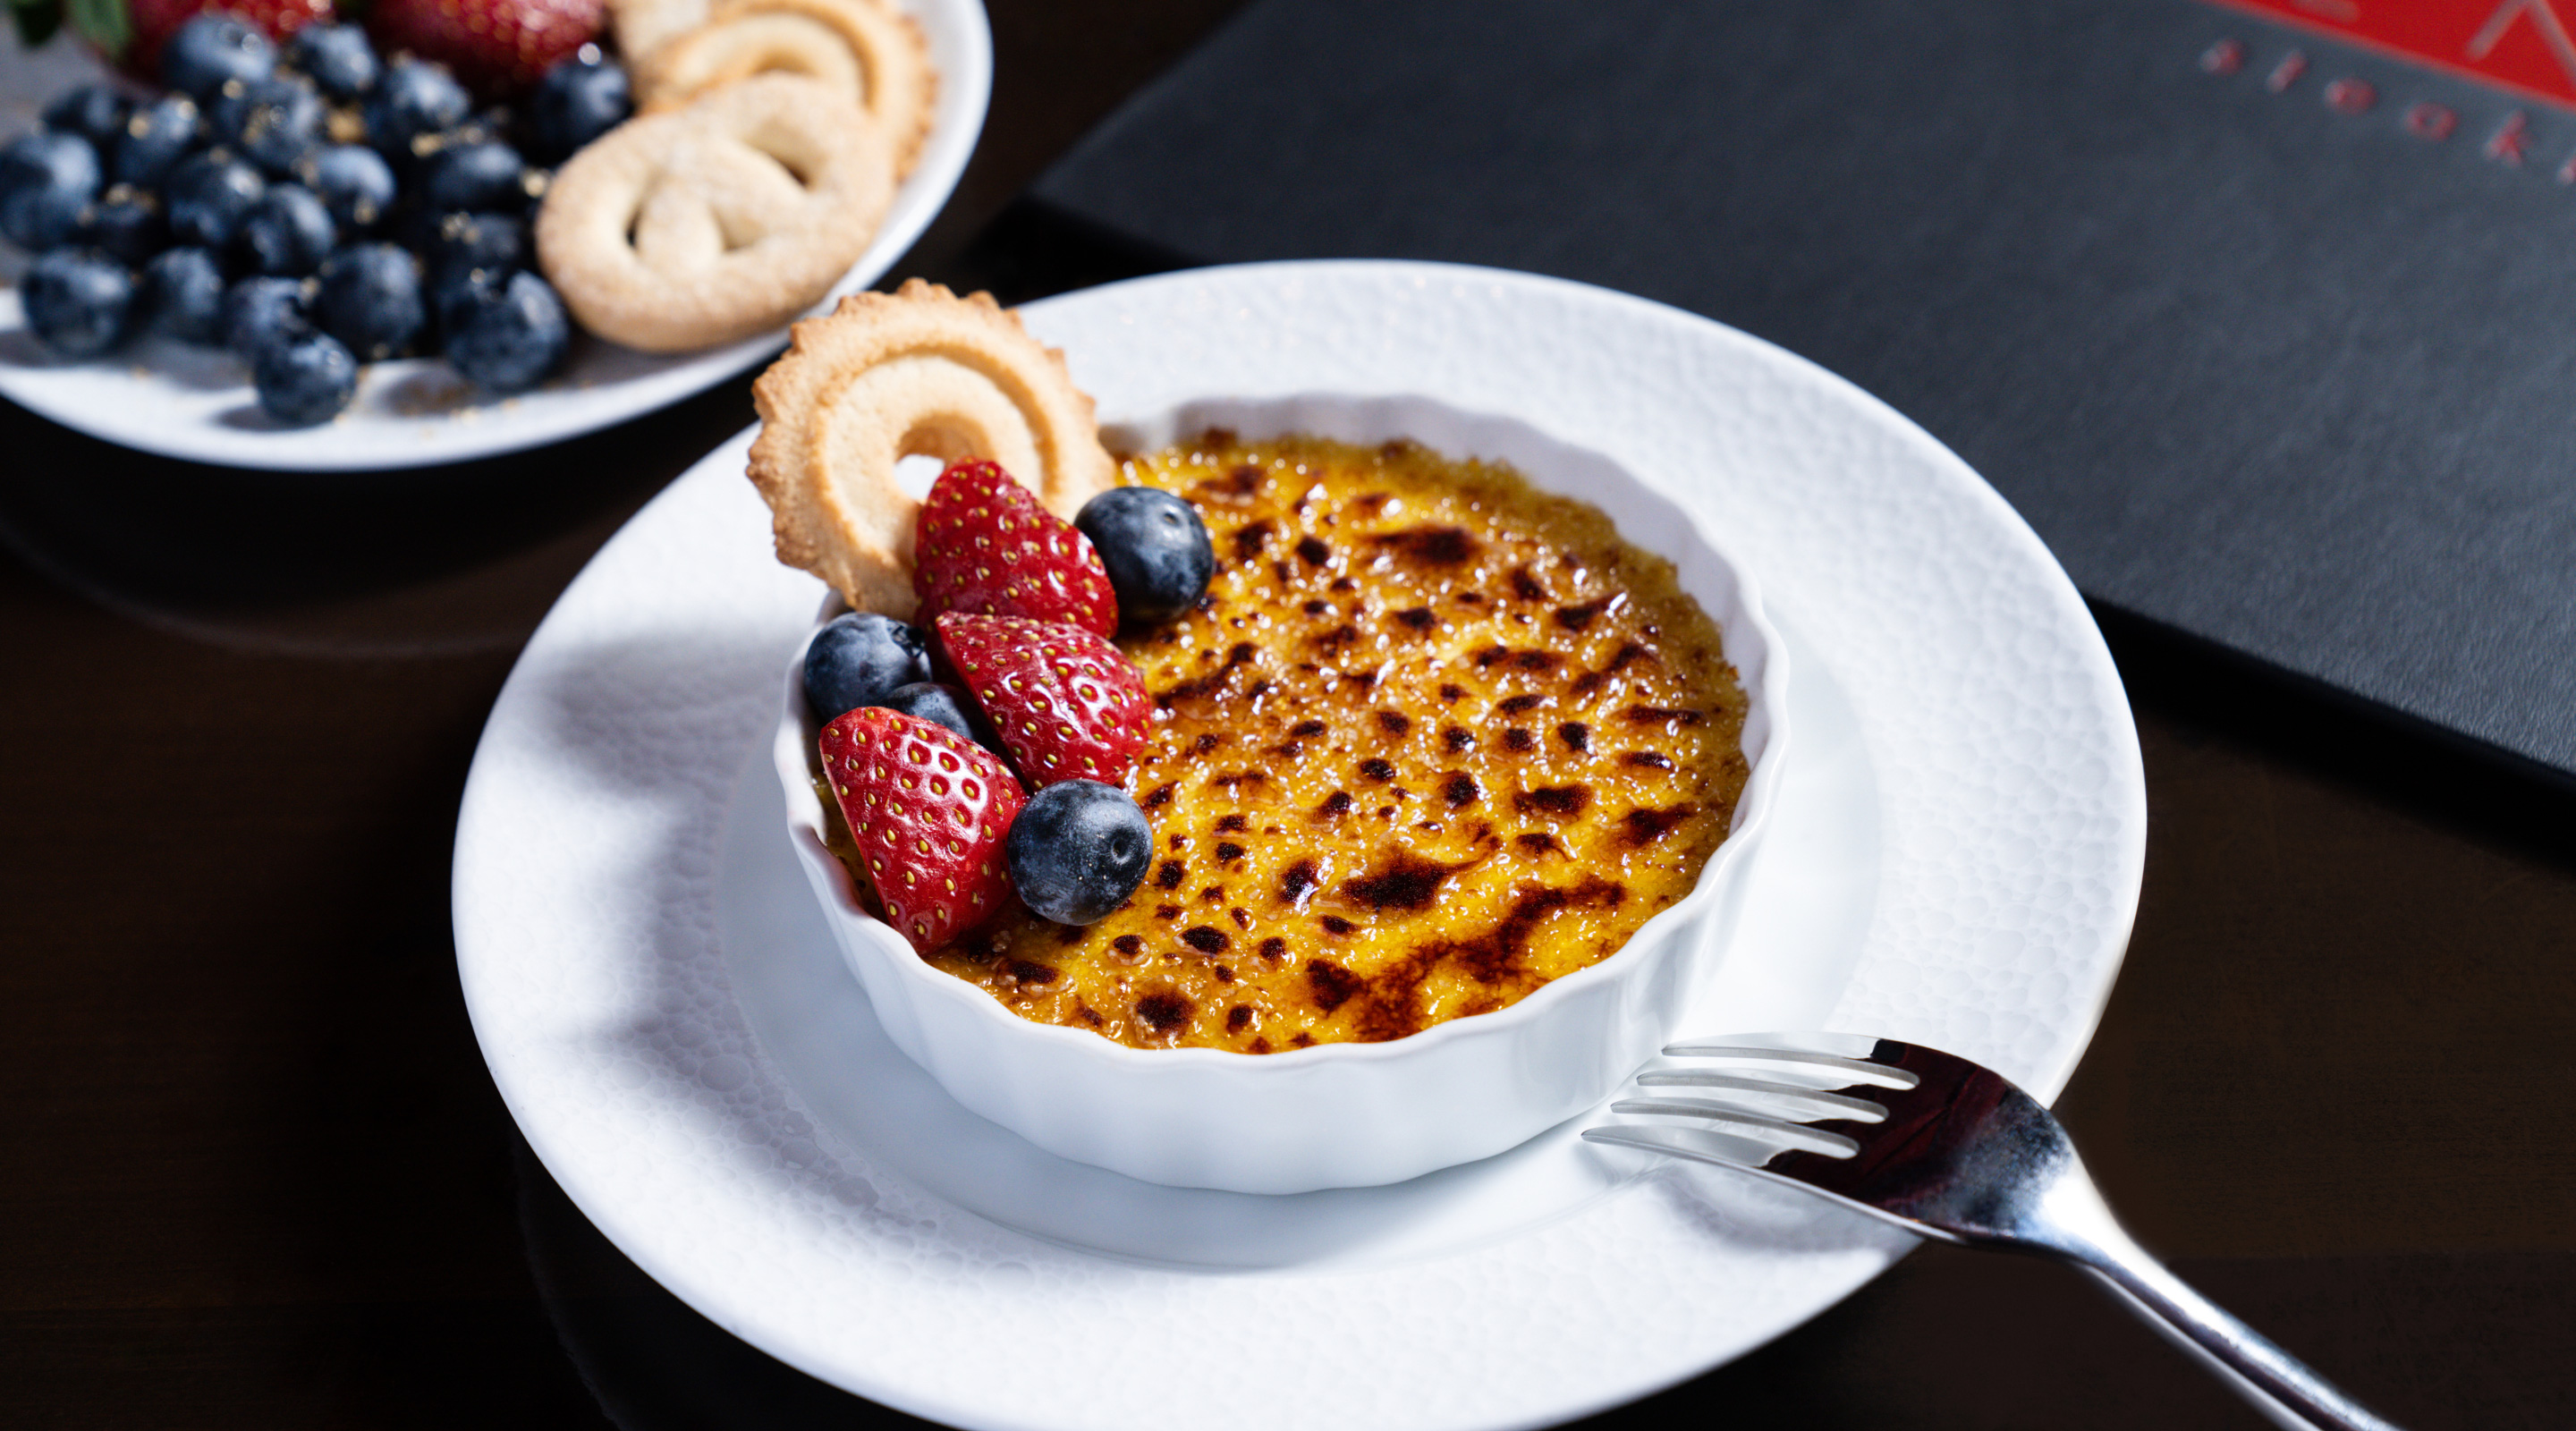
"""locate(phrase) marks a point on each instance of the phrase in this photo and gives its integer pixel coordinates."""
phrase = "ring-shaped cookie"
(918, 372)
(866, 47)
(710, 223)
(642, 26)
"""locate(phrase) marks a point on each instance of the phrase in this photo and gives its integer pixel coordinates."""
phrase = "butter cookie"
(719, 220)
(642, 26)
(866, 47)
(918, 372)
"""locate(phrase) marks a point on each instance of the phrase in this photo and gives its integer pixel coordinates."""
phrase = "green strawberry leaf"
(103, 23)
(35, 20)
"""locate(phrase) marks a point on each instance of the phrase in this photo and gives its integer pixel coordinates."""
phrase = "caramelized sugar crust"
(1433, 739)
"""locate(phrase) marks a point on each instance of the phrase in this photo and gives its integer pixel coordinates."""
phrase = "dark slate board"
(2296, 380)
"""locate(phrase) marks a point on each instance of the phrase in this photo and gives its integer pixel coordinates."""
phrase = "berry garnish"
(286, 232)
(305, 380)
(183, 296)
(95, 112)
(274, 121)
(78, 302)
(507, 335)
(207, 195)
(1155, 548)
(859, 658)
(157, 136)
(579, 100)
(944, 706)
(984, 544)
(1078, 850)
(47, 180)
(413, 98)
(336, 57)
(929, 812)
(497, 47)
(260, 313)
(127, 225)
(370, 300)
(354, 182)
(1065, 702)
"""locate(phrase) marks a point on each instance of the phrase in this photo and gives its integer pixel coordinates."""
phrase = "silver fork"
(1944, 1148)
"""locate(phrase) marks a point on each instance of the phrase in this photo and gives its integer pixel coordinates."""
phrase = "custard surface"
(1433, 739)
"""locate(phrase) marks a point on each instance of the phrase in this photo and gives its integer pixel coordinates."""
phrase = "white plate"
(196, 403)
(1956, 862)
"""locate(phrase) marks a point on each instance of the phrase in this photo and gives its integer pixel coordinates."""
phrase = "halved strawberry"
(498, 48)
(985, 544)
(1067, 704)
(929, 811)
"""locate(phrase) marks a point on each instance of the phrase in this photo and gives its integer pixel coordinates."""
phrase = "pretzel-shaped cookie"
(714, 222)
(918, 372)
(866, 47)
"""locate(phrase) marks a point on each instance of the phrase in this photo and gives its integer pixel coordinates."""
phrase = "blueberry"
(95, 112)
(507, 336)
(127, 224)
(353, 182)
(579, 100)
(1077, 850)
(272, 122)
(78, 302)
(1155, 547)
(156, 137)
(264, 313)
(287, 232)
(413, 98)
(207, 196)
(462, 244)
(183, 297)
(337, 57)
(472, 175)
(47, 180)
(305, 381)
(858, 658)
(370, 300)
(943, 706)
(212, 49)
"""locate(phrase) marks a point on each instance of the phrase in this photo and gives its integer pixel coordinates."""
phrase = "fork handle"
(2278, 1384)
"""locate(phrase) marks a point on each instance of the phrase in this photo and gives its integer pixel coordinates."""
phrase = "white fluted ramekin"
(1337, 1115)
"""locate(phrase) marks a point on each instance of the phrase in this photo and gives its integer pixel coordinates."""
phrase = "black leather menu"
(2269, 329)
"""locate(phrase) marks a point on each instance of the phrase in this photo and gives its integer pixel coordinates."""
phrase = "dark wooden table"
(253, 1173)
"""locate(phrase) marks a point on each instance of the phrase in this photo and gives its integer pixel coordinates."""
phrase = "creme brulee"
(1432, 739)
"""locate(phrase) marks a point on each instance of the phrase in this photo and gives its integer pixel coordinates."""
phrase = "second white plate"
(196, 403)
(1956, 863)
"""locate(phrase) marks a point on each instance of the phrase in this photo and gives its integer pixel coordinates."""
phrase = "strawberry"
(985, 544)
(498, 48)
(1067, 704)
(929, 811)
(130, 33)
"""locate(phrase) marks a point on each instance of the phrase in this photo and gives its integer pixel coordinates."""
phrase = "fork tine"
(1695, 1144)
(1811, 1102)
(1859, 1068)
(1799, 1135)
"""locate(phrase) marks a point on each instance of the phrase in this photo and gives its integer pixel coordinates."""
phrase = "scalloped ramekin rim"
(1768, 695)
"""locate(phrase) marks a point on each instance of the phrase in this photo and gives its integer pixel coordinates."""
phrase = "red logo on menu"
(2527, 46)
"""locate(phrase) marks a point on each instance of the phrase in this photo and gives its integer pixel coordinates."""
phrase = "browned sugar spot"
(1302, 1040)
(1659, 715)
(1575, 618)
(1163, 1012)
(1452, 693)
(1575, 734)
(1296, 882)
(1538, 842)
(1459, 789)
(1644, 827)
(1274, 948)
(1394, 722)
(1316, 607)
(1554, 799)
(1417, 617)
(1514, 705)
(1206, 742)
(1376, 769)
(1160, 795)
(1538, 660)
(1456, 738)
(1628, 654)
(1228, 852)
(1313, 551)
(1489, 656)
(1029, 971)
(1526, 586)
(1307, 729)
(1130, 945)
(1241, 916)
(1167, 911)
(1337, 803)
(1232, 824)
(1519, 738)
(1331, 984)
(1250, 538)
(1170, 875)
(1647, 760)
(1238, 1018)
(1431, 546)
(1207, 939)
(1335, 924)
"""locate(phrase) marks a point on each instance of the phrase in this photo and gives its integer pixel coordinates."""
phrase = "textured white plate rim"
(2108, 787)
(117, 400)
